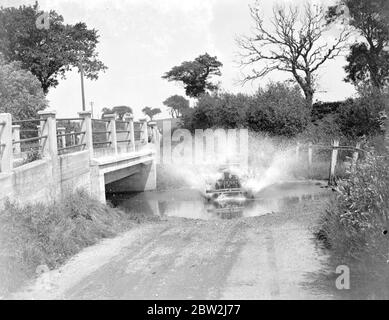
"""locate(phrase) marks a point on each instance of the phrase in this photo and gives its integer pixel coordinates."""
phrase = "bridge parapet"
(67, 156)
(23, 141)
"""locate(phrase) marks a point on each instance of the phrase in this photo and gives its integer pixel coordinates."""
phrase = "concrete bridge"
(98, 155)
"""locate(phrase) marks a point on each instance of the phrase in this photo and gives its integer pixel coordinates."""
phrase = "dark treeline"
(280, 110)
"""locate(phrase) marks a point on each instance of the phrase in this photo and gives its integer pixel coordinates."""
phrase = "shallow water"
(190, 203)
(314, 269)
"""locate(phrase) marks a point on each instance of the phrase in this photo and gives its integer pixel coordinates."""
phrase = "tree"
(20, 92)
(296, 45)
(368, 59)
(177, 105)
(120, 111)
(225, 110)
(195, 74)
(151, 112)
(277, 110)
(48, 53)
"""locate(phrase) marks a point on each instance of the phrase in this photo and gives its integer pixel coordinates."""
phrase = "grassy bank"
(354, 226)
(37, 237)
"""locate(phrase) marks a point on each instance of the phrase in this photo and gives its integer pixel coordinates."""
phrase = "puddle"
(189, 203)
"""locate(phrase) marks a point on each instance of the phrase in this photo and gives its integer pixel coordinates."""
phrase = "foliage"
(217, 111)
(195, 74)
(322, 109)
(295, 45)
(48, 53)
(353, 223)
(49, 234)
(279, 110)
(177, 105)
(151, 112)
(360, 117)
(322, 131)
(368, 59)
(32, 155)
(120, 111)
(20, 92)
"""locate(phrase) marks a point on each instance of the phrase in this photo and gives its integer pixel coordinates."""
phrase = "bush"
(223, 110)
(279, 110)
(360, 117)
(353, 223)
(21, 93)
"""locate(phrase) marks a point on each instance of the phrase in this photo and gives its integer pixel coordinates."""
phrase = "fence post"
(16, 137)
(130, 127)
(62, 130)
(87, 127)
(355, 157)
(334, 158)
(112, 130)
(6, 154)
(144, 134)
(49, 129)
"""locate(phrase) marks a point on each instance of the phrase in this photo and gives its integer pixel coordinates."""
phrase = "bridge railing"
(70, 135)
(48, 136)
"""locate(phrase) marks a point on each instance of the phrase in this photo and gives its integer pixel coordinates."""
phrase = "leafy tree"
(120, 111)
(279, 110)
(195, 74)
(48, 53)
(217, 111)
(20, 92)
(295, 45)
(151, 112)
(360, 117)
(177, 105)
(368, 59)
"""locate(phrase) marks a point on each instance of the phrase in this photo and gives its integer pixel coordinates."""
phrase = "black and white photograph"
(194, 155)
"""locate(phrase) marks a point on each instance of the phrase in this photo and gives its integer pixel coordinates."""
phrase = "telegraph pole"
(91, 106)
(82, 86)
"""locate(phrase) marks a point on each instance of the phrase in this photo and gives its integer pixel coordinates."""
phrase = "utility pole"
(91, 106)
(82, 86)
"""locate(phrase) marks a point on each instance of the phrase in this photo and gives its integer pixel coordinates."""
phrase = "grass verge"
(40, 236)
(354, 225)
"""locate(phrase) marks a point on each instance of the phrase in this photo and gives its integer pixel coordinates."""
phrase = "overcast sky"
(142, 39)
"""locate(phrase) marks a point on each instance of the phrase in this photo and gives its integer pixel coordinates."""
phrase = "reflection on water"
(189, 203)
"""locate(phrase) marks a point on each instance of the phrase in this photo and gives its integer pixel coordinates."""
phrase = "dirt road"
(265, 257)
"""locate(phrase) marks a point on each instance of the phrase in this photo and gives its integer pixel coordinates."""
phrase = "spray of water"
(270, 162)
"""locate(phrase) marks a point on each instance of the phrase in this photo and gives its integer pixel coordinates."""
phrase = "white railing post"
(144, 134)
(62, 131)
(130, 127)
(112, 130)
(334, 158)
(87, 127)
(16, 137)
(49, 128)
(6, 156)
(72, 138)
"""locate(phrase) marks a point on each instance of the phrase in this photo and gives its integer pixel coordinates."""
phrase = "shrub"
(223, 110)
(279, 110)
(360, 117)
(355, 219)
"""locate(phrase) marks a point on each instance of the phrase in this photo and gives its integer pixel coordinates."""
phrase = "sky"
(140, 40)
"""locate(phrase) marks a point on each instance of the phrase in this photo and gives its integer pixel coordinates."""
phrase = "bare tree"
(296, 44)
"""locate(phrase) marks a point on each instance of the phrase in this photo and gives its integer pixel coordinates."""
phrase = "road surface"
(267, 257)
